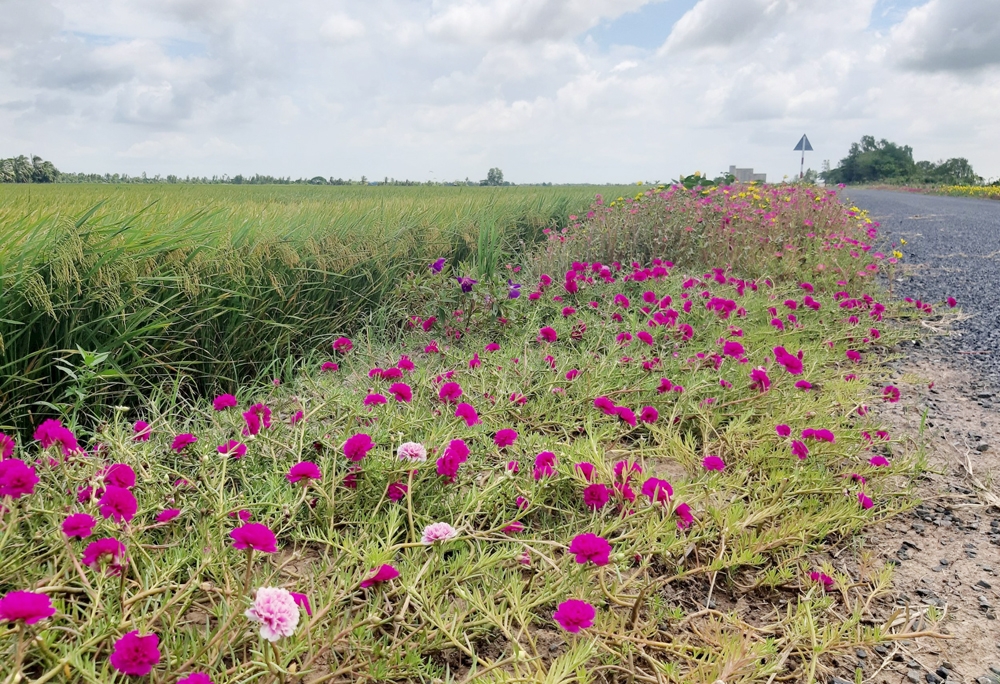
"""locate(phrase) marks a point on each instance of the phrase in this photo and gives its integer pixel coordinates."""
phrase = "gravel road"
(952, 250)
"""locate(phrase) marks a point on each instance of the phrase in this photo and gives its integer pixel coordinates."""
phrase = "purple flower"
(466, 283)
(438, 265)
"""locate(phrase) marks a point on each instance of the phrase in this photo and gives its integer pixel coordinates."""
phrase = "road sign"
(805, 147)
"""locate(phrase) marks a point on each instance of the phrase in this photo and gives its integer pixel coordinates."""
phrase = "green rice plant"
(214, 283)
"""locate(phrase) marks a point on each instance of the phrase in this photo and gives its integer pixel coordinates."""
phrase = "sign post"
(804, 146)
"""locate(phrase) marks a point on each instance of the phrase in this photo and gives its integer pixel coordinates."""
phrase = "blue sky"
(549, 90)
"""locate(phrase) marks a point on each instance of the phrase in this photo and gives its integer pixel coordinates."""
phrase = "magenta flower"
(329, 367)
(474, 362)
(383, 573)
(504, 438)
(120, 475)
(52, 432)
(400, 391)
(167, 515)
(713, 463)
(118, 503)
(254, 536)
(657, 490)
(305, 470)
(891, 394)
(182, 441)
(821, 578)
(302, 601)
(624, 470)
(572, 374)
(605, 405)
(25, 606)
(342, 345)
(513, 467)
(645, 337)
(574, 615)
(276, 611)
(586, 469)
(800, 449)
(595, 496)
(412, 451)
(783, 430)
(135, 654)
(107, 551)
(458, 449)
(622, 301)
(544, 465)
(952, 302)
(818, 435)
(790, 362)
(467, 412)
(438, 532)
(195, 678)
(396, 491)
(515, 527)
(547, 334)
(733, 349)
(878, 461)
(521, 503)
(16, 478)
(759, 380)
(589, 547)
(141, 430)
(865, 502)
(7, 445)
(223, 402)
(78, 525)
(357, 446)
(626, 415)
(450, 392)
(232, 448)
(648, 414)
(374, 399)
(853, 355)
(685, 519)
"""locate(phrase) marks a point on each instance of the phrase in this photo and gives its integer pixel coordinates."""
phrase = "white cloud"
(458, 86)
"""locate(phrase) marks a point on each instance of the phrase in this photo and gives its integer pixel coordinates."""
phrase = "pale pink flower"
(436, 532)
(412, 451)
(275, 610)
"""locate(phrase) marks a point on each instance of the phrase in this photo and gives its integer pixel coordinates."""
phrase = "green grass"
(213, 284)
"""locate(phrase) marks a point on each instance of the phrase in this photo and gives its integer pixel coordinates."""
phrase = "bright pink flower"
(624, 338)
(622, 301)
(357, 446)
(195, 678)
(232, 448)
(657, 490)
(800, 449)
(342, 345)
(574, 615)
(521, 503)
(107, 551)
(624, 470)
(547, 334)
(7, 445)
(25, 606)
(135, 654)
(373, 400)
(120, 475)
(783, 430)
(544, 465)
(513, 467)
(891, 394)
(853, 355)
(438, 532)
(586, 469)
(713, 463)
(297, 418)
(141, 430)
(605, 405)
(396, 491)
(683, 512)
(645, 337)
(821, 578)
(952, 302)
(568, 311)
(305, 470)
(475, 362)
(491, 347)
(276, 611)
(167, 515)
(595, 496)
(223, 402)
(513, 528)
(118, 503)
(759, 380)
(52, 432)
(16, 478)
(450, 392)
(254, 536)
(78, 525)
(790, 362)
(589, 547)
(818, 435)
(803, 385)
(648, 414)
(182, 441)
(778, 324)
(467, 412)
(572, 374)
(733, 349)
(878, 461)
(626, 415)
(865, 502)
(383, 573)
(504, 438)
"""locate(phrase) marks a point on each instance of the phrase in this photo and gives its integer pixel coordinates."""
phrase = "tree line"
(871, 160)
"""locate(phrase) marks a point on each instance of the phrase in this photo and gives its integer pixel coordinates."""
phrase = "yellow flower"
(896, 253)
(902, 241)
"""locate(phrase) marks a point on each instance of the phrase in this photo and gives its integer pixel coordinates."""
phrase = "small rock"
(994, 669)
(948, 666)
(913, 676)
(984, 584)
(943, 561)
(932, 678)
(982, 447)
(860, 653)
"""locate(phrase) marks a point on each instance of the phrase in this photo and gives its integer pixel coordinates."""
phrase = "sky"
(563, 91)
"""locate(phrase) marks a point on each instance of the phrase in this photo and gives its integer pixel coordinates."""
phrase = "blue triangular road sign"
(803, 145)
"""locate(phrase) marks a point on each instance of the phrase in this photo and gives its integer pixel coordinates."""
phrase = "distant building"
(747, 175)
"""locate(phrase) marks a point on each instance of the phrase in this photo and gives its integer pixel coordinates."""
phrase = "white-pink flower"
(275, 609)
(436, 532)
(412, 451)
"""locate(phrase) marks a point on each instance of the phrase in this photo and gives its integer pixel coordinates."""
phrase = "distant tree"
(493, 177)
(873, 161)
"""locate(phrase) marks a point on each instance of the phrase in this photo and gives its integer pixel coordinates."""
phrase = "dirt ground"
(947, 550)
